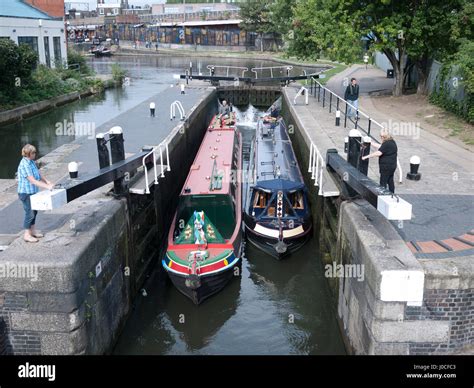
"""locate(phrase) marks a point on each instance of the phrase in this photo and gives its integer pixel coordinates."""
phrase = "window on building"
(57, 48)
(31, 41)
(47, 55)
(101, 11)
(116, 11)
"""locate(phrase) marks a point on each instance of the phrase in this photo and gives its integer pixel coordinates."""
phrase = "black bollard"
(365, 150)
(346, 145)
(338, 118)
(73, 170)
(354, 147)
(414, 175)
(103, 151)
(118, 154)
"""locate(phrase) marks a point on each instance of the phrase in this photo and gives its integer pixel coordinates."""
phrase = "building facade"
(25, 24)
(111, 7)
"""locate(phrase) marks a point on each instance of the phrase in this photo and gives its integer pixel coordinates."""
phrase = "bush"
(74, 58)
(118, 74)
(16, 66)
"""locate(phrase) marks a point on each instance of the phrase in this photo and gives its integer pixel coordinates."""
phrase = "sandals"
(38, 235)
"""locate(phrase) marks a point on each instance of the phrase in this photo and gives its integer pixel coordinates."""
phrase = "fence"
(227, 36)
(349, 114)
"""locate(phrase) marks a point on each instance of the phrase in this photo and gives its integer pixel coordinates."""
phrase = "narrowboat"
(205, 238)
(277, 218)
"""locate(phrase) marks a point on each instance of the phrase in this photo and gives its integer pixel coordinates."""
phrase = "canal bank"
(23, 112)
(54, 302)
(417, 292)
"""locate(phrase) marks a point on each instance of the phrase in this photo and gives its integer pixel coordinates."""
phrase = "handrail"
(173, 106)
(300, 92)
(255, 69)
(358, 112)
(210, 67)
(164, 168)
(316, 166)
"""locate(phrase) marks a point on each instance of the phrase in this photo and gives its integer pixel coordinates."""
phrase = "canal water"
(275, 307)
(148, 75)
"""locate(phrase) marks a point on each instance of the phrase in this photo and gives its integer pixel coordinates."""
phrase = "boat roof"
(276, 163)
(213, 160)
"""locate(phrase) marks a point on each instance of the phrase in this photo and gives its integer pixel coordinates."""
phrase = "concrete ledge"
(322, 142)
(411, 331)
(22, 112)
(385, 256)
(64, 344)
(46, 321)
(452, 273)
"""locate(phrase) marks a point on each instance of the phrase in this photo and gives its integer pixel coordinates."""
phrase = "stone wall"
(403, 305)
(90, 269)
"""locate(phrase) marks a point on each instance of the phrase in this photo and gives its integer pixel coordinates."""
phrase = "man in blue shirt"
(29, 181)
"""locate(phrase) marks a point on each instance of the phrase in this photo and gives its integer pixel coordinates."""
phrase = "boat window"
(296, 200)
(218, 208)
(260, 199)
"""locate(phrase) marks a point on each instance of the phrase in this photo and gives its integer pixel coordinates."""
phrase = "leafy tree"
(256, 17)
(323, 28)
(16, 65)
(418, 28)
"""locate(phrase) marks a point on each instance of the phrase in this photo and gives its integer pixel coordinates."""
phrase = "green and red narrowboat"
(205, 239)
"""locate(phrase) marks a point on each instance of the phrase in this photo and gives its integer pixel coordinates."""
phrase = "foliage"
(419, 28)
(323, 28)
(74, 58)
(16, 66)
(256, 16)
(462, 64)
(118, 73)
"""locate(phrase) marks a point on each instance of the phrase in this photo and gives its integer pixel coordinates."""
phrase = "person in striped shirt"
(29, 181)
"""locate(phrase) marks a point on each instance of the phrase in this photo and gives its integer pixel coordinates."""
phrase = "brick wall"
(24, 342)
(453, 305)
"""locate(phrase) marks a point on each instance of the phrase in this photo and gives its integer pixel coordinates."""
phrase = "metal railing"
(177, 104)
(167, 167)
(212, 69)
(302, 91)
(336, 103)
(316, 166)
(255, 70)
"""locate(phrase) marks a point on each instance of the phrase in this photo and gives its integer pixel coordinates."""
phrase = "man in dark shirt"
(352, 97)
(387, 153)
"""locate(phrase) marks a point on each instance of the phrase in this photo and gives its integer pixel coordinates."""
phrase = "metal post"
(365, 150)
(330, 102)
(338, 118)
(118, 154)
(319, 91)
(324, 96)
(353, 154)
(103, 151)
(368, 128)
(345, 116)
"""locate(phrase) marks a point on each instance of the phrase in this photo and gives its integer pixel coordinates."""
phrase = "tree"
(16, 65)
(418, 28)
(256, 17)
(322, 28)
